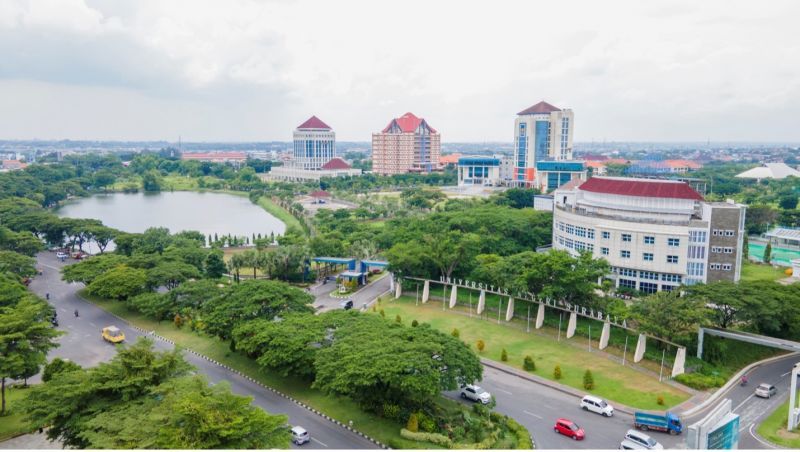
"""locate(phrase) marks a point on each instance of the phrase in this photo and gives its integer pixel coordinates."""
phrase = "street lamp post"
(625, 351)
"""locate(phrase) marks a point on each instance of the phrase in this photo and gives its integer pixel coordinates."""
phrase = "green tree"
(768, 252)
(557, 372)
(588, 380)
(788, 202)
(103, 178)
(170, 274)
(58, 366)
(152, 181)
(528, 364)
(90, 268)
(669, 316)
(18, 264)
(214, 264)
(119, 283)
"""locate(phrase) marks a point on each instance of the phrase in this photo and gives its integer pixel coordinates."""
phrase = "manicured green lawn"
(773, 429)
(11, 424)
(612, 381)
(759, 272)
(340, 408)
(280, 213)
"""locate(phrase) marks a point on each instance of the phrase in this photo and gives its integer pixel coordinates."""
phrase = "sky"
(242, 70)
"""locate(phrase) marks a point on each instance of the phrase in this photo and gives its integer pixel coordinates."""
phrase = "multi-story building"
(233, 157)
(314, 144)
(656, 234)
(543, 133)
(407, 144)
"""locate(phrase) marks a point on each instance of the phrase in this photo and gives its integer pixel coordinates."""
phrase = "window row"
(722, 249)
(641, 274)
(577, 231)
(647, 257)
(645, 287)
(723, 232)
(698, 236)
(725, 267)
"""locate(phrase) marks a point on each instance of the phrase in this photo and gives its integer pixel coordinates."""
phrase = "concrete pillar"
(481, 302)
(453, 296)
(700, 335)
(510, 309)
(540, 316)
(573, 322)
(680, 360)
(398, 289)
(391, 282)
(641, 345)
(426, 291)
(604, 335)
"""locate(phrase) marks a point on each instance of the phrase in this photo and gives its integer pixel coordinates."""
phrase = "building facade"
(314, 144)
(541, 132)
(479, 171)
(336, 167)
(655, 234)
(553, 174)
(408, 144)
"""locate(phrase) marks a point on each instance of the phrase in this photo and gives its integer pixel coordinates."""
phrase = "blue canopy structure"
(349, 261)
(366, 264)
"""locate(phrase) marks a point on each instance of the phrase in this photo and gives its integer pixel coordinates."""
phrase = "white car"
(476, 394)
(642, 440)
(61, 255)
(627, 444)
(766, 390)
(597, 405)
(299, 435)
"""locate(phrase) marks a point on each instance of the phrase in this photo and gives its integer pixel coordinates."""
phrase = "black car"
(346, 304)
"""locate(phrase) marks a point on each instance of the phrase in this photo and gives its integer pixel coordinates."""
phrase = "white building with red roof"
(657, 234)
(407, 144)
(314, 144)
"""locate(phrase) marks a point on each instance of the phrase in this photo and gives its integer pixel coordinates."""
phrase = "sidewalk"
(30, 441)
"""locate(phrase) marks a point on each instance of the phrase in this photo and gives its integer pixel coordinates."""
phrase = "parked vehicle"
(766, 390)
(299, 435)
(666, 422)
(569, 428)
(597, 405)
(61, 255)
(346, 304)
(641, 440)
(476, 394)
(627, 444)
(112, 334)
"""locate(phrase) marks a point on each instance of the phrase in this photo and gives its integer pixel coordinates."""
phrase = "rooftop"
(541, 107)
(648, 188)
(313, 123)
(784, 233)
(408, 123)
(233, 155)
(770, 171)
(336, 163)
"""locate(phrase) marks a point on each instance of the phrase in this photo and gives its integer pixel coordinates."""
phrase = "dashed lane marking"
(743, 402)
(787, 373)
(531, 414)
(318, 442)
(502, 390)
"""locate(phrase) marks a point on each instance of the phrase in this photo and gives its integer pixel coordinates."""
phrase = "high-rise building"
(407, 144)
(541, 133)
(314, 144)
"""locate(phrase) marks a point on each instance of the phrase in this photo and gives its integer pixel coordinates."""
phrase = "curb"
(727, 387)
(250, 379)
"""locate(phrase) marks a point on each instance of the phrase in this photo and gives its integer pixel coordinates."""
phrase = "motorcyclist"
(744, 380)
(76, 313)
(47, 295)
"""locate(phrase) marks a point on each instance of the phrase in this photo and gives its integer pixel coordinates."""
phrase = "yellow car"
(113, 334)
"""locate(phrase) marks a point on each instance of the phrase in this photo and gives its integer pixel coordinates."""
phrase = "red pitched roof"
(314, 123)
(641, 187)
(320, 194)
(336, 163)
(407, 123)
(541, 107)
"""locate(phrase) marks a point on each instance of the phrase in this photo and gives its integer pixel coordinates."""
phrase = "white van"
(597, 405)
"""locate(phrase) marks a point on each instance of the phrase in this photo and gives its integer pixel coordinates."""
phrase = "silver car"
(476, 394)
(299, 435)
(642, 440)
(766, 390)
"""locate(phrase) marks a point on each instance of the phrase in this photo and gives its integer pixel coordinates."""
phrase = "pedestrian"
(76, 313)
(47, 295)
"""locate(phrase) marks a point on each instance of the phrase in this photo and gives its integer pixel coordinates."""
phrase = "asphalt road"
(324, 302)
(83, 344)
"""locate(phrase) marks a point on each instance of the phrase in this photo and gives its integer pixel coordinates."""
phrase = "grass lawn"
(773, 429)
(280, 213)
(340, 408)
(11, 424)
(612, 381)
(758, 272)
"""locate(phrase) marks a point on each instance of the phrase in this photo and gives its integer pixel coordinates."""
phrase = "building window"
(672, 259)
(626, 237)
(604, 251)
(627, 283)
(625, 254)
(647, 257)
(728, 250)
(649, 275)
(697, 236)
(649, 240)
(729, 233)
(590, 233)
(673, 242)
(727, 267)
(671, 278)
(606, 235)
(697, 252)
(714, 266)
(695, 269)
(647, 287)
(667, 288)
(627, 272)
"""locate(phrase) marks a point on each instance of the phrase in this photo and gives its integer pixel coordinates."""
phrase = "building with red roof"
(543, 133)
(216, 156)
(12, 165)
(406, 144)
(314, 144)
(656, 234)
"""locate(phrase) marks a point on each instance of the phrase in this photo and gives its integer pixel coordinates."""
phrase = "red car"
(569, 428)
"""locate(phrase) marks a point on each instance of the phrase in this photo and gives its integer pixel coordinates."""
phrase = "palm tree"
(235, 264)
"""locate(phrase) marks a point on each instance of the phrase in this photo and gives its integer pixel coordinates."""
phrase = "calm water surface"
(209, 213)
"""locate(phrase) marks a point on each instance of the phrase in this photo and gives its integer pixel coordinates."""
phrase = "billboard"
(724, 435)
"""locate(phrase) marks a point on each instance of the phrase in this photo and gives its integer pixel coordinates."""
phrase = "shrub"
(177, 320)
(660, 400)
(504, 355)
(588, 380)
(434, 438)
(413, 423)
(528, 364)
(414, 322)
(481, 345)
(374, 307)
(557, 372)
(426, 424)
(398, 319)
(700, 382)
(456, 334)
(391, 411)
(522, 434)
(383, 314)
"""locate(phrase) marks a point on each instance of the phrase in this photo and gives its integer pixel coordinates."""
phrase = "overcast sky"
(253, 70)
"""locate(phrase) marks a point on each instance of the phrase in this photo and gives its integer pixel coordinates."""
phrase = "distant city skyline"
(247, 70)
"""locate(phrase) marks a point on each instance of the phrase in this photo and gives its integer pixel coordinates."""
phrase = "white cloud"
(247, 69)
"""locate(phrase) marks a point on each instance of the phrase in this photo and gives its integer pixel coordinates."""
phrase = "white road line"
(318, 442)
(743, 402)
(787, 373)
(93, 325)
(49, 266)
(770, 446)
(531, 414)
(502, 390)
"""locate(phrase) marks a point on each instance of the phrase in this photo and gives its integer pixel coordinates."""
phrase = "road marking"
(93, 325)
(770, 446)
(531, 414)
(787, 373)
(318, 441)
(743, 402)
(502, 390)
(49, 266)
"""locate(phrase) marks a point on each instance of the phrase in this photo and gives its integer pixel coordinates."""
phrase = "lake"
(209, 213)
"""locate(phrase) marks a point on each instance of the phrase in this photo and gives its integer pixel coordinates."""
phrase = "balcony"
(584, 213)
